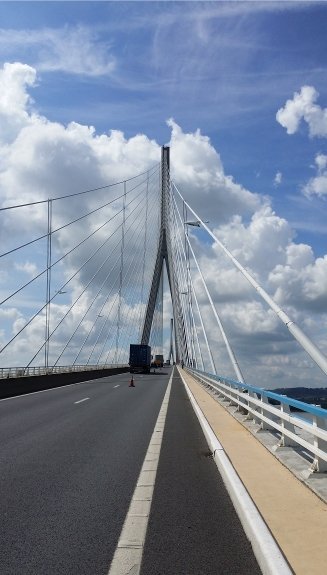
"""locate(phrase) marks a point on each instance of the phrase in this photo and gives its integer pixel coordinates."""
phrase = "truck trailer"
(139, 358)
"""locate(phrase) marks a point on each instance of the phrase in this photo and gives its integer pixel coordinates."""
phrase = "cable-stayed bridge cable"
(140, 194)
(90, 281)
(318, 357)
(100, 188)
(222, 330)
(190, 290)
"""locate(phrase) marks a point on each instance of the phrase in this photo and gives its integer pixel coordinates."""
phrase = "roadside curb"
(268, 554)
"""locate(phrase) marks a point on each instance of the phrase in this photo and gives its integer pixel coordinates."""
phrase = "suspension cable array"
(98, 277)
(101, 260)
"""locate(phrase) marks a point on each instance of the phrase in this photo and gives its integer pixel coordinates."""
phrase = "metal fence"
(272, 411)
(8, 372)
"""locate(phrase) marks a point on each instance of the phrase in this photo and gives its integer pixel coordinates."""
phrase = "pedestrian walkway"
(296, 517)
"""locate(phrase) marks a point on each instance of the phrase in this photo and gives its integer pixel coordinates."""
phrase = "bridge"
(195, 469)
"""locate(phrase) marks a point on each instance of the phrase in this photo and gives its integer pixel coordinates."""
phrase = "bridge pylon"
(164, 254)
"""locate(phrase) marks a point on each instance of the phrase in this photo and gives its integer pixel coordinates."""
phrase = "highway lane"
(68, 471)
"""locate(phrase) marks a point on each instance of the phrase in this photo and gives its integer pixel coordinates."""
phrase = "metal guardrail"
(9, 372)
(254, 402)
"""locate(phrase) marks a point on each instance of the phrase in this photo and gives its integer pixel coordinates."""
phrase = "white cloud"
(278, 179)
(28, 267)
(303, 107)
(321, 162)
(317, 186)
(74, 50)
(198, 168)
(302, 280)
(9, 312)
(15, 101)
(259, 244)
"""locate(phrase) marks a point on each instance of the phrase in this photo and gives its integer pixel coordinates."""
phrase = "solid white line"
(128, 555)
(80, 400)
(116, 386)
(267, 552)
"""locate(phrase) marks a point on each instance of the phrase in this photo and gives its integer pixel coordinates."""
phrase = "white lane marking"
(116, 386)
(128, 555)
(80, 400)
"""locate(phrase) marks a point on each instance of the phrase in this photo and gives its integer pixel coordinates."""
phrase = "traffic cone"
(131, 383)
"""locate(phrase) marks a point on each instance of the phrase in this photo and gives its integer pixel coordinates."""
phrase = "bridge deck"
(296, 516)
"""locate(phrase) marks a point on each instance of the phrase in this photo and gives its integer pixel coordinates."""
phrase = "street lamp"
(196, 223)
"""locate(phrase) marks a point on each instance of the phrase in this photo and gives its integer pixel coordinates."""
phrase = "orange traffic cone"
(131, 383)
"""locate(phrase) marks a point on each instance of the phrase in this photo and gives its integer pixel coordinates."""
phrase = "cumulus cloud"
(15, 101)
(302, 280)
(261, 243)
(198, 168)
(289, 271)
(317, 186)
(303, 107)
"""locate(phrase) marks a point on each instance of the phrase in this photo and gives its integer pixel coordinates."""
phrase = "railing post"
(251, 416)
(319, 465)
(243, 398)
(232, 391)
(264, 426)
(218, 391)
(286, 441)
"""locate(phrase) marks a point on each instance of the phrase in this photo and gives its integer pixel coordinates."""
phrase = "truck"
(158, 360)
(139, 358)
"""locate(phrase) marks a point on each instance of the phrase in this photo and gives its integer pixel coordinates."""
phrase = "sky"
(89, 91)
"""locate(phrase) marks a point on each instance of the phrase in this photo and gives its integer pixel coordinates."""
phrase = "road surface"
(69, 462)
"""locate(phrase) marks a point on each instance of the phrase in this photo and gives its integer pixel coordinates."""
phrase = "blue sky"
(246, 85)
(225, 68)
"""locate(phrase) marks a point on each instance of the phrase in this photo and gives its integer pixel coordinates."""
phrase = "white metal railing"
(275, 414)
(8, 372)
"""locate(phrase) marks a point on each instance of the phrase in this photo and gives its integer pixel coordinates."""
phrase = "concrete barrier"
(20, 385)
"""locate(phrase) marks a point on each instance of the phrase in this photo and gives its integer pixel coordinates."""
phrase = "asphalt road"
(69, 461)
